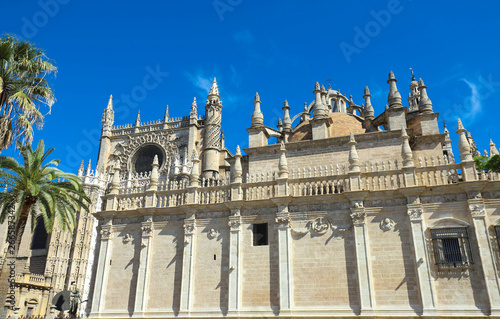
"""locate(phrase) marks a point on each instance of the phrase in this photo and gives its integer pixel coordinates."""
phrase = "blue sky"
(152, 54)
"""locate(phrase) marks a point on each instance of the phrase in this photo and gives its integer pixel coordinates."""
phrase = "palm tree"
(23, 89)
(36, 188)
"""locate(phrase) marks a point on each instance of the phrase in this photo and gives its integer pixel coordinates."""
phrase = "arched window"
(451, 247)
(39, 240)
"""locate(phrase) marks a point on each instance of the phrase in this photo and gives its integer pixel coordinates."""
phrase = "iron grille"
(451, 247)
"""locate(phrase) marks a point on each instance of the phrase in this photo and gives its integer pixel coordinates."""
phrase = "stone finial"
(320, 109)
(493, 148)
(110, 103)
(406, 152)
(115, 182)
(280, 125)
(138, 118)
(194, 108)
(463, 144)
(257, 116)
(237, 171)
(81, 169)
(369, 113)
(283, 164)
(287, 121)
(214, 89)
(322, 88)
(89, 168)
(425, 104)
(153, 185)
(165, 118)
(353, 155)
(195, 171)
(394, 98)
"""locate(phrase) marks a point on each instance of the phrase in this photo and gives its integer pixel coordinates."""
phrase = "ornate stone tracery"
(166, 140)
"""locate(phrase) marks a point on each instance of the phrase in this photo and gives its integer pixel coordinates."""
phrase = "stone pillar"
(487, 262)
(284, 257)
(101, 278)
(365, 278)
(282, 172)
(187, 266)
(235, 271)
(422, 262)
(141, 294)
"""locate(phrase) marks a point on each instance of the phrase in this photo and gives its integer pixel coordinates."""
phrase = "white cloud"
(473, 102)
(199, 80)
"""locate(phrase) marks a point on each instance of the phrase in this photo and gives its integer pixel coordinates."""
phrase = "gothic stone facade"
(349, 214)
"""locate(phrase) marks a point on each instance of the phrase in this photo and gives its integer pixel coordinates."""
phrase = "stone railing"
(137, 192)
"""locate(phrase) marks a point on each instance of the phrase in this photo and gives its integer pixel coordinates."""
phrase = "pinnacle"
(391, 76)
(110, 102)
(367, 91)
(214, 89)
(460, 126)
(257, 97)
(238, 151)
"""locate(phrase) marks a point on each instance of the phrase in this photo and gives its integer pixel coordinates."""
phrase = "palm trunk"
(8, 272)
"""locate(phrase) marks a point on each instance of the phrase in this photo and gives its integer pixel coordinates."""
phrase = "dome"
(343, 124)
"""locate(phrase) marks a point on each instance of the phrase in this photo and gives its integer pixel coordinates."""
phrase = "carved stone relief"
(387, 224)
(319, 226)
(212, 234)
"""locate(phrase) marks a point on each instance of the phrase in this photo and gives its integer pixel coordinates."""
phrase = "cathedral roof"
(343, 124)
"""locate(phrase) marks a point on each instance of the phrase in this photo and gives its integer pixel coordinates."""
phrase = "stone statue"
(75, 300)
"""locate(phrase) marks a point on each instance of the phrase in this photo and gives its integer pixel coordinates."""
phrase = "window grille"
(451, 247)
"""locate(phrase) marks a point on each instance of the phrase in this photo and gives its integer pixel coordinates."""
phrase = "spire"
(463, 144)
(282, 164)
(368, 111)
(108, 117)
(165, 118)
(238, 171)
(280, 125)
(304, 116)
(194, 109)
(80, 169)
(493, 148)
(287, 121)
(425, 104)
(406, 152)
(110, 103)
(257, 116)
(89, 169)
(353, 155)
(412, 75)
(214, 89)
(394, 98)
(138, 118)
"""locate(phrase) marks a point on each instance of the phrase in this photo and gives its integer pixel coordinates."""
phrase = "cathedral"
(344, 214)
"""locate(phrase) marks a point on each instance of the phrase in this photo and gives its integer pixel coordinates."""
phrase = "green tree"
(493, 164)
(36, 188)
(481, 162)
(23, 89)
